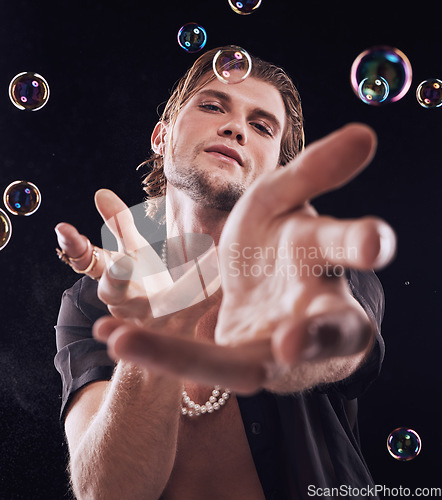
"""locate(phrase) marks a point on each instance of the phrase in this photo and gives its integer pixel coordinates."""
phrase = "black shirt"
(299, 442)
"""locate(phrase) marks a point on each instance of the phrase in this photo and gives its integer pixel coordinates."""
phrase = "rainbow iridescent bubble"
(244, 7)
(232, 64)
(22, 198)
(429, 93)
(192, 37)
(5, 229)
(29, 91)
(373, 90)
(386, 63)
(404, 444)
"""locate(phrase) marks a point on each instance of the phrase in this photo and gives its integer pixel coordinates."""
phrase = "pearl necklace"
(216, 400)
(214, 403)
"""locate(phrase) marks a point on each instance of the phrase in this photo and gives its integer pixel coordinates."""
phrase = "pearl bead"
(215, 393)
(212, 399)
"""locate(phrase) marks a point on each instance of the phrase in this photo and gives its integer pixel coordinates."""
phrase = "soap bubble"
(244, 7)
(192, 37)
(29, 91)
(429, 93)
(373, 90)
(404, 444)
(22, 198)
(232, 64)
(5, 229)
(387, 63)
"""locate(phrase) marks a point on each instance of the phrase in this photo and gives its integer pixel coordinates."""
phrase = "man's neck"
(185, 216)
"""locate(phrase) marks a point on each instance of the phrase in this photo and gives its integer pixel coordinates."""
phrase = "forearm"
(129, 448)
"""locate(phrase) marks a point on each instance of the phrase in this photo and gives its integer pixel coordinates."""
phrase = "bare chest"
(213, 458)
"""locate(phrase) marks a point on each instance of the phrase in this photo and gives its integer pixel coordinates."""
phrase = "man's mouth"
(225, 153)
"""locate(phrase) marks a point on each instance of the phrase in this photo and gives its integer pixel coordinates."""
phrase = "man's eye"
(210, 107)
(263, 128)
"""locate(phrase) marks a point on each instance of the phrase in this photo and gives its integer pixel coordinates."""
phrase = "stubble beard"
(202, 186)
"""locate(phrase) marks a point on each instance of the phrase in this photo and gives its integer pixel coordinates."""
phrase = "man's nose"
(234, 129)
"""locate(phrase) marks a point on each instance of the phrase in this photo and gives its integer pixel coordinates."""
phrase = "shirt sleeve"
(80, 359)
(368, 291)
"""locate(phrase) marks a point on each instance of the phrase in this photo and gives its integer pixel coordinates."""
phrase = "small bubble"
(22, 198)
(429, 93)
(373, 90)
(244, 7)
(5, 229)
(192, 37)
(404, 444)
(232, 64)
(29, 91)
(387, 65)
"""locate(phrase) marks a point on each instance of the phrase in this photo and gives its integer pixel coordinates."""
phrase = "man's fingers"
(240, 368)
(326, 335)
(115, 281)
(324, 166)
(365, 243)
(369, 243)
(105, 326)
(77, 246)
(120, 221)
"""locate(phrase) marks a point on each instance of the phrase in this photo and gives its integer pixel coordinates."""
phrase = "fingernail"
(387, 246)
(60, 236)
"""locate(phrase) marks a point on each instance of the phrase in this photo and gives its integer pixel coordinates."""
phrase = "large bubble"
(404, 444)
(232, 64)
(192, 37)
(429, 93)
(22, 198)
(382, 64)
(29, 91)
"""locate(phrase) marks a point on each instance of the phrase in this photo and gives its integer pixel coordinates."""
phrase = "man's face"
(225, 137)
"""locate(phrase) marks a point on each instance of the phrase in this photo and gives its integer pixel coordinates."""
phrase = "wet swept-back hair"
(292, 141)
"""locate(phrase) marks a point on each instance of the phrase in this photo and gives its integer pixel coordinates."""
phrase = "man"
(294, 348)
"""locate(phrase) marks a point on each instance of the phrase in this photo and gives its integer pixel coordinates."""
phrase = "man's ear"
(158, 139)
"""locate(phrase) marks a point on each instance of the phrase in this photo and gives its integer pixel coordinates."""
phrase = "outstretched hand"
(280, 309)
(134, 282)
(285, 303)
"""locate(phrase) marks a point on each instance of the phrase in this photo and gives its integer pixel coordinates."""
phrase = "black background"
(108, 67)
